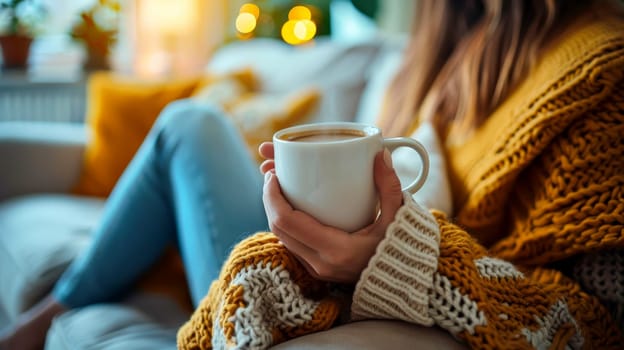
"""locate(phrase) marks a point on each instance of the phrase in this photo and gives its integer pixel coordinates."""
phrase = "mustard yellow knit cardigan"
(531, 259)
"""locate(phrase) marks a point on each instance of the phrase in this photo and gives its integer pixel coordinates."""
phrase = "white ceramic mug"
(326, 170)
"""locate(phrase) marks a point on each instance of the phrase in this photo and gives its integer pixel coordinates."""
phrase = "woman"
(527, 98)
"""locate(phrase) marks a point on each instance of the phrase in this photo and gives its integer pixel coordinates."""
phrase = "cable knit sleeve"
(396, 283)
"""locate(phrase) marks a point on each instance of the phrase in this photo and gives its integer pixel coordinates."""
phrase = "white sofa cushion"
(39, 237)
(337, 69)
(379, 76)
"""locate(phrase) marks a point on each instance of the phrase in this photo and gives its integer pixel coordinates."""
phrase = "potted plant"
(18, 23)
(96, 29)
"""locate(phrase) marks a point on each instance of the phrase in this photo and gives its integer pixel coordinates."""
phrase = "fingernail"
(387, 157)
(267, 176)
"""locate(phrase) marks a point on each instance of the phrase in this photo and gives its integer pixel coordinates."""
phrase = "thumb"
(388, 187)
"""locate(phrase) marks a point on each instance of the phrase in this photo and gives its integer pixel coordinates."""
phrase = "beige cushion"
(39, 236)
(375, 335)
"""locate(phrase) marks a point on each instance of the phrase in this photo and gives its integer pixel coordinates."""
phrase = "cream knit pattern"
(263, 296)
(397, 280)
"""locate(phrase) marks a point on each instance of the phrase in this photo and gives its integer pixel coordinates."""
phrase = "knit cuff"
(396, 282)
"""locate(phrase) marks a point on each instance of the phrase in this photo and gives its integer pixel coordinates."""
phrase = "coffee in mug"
(326, 170)
(323, 135)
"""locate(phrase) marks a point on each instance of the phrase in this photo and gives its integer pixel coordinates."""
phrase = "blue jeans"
(193, 185)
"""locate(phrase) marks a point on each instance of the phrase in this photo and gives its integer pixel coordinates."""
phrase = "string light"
(247, 18)
(250, 8)
(299, 28)
(299, 13)
(245, 23)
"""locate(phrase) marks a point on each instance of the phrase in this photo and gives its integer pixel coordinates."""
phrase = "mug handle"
(393, 143)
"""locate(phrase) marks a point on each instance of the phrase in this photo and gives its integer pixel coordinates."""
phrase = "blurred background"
(54, 45)
(83, 81)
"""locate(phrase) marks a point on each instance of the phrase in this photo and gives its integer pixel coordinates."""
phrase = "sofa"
(43, 227)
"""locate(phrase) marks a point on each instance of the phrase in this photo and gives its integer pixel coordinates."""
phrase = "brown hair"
(465, 57)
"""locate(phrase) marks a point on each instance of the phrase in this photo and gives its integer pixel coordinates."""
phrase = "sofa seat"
(132, 325)
(142, 321)
(39, 237)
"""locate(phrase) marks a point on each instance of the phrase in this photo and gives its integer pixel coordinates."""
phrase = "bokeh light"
(305, 30)
(250, 8)
(288, 33)
(245, 23)
(299, 28)
(247, 20)
(299, 13)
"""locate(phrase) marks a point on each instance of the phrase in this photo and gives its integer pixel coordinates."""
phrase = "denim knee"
(187, 121)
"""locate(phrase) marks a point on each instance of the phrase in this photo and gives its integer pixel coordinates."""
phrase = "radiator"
(24, 100)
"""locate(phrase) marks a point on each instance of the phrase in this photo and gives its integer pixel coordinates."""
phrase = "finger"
(302, 235)
(302, 252)
(294, 223)
(309, 268)
(266, 150)
(306, 265)
(267, 165)
(388, 186)
(307, 256)
(312, 264)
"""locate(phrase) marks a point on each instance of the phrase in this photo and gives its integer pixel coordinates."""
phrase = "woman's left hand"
(328, 253)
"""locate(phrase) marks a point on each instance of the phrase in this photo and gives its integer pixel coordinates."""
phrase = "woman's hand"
(328, 253)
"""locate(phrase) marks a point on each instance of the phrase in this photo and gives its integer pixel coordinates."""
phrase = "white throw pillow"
(339, 70)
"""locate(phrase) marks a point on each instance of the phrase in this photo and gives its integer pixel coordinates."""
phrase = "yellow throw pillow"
(120, 113)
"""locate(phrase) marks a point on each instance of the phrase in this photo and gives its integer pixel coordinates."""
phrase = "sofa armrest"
(39, 157)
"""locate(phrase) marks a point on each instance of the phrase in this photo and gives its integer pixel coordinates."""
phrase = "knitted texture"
(570, 200)
(602, 274)
(491, 304)
(539, 186)
(558, 132)
(541, 183)
(263, 296)
(385, 289)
